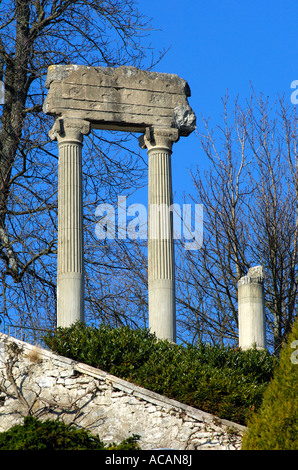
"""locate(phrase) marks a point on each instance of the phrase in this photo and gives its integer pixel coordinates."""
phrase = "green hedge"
(227, 382)
(56, 435)
(275, 425)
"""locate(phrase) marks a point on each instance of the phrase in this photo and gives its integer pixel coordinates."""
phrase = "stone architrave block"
(123, 98)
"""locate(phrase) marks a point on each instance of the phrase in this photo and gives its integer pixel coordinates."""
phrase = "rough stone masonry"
(153, 104)
(49, 386)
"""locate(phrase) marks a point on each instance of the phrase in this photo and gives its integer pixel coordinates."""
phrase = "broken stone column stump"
(251, 310)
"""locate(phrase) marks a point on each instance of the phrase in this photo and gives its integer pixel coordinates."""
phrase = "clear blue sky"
(220, 45)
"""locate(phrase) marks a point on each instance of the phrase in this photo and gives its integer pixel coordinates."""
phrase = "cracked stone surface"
(122, 98)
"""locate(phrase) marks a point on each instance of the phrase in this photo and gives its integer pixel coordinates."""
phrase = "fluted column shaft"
(161, 258)
(70, 260)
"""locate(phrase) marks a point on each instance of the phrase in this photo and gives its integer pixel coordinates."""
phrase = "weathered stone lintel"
(124, 77)
(123, 98)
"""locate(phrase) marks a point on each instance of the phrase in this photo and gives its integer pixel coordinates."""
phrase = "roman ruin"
(251, 309)
(81, 99)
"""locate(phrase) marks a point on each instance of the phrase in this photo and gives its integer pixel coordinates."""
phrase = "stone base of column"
(162, 318)
(70, 305)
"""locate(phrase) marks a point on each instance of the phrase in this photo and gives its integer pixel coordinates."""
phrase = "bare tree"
(250, 200)
(34, 35)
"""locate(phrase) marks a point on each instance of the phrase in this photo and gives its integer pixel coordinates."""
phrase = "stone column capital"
(158, 138)
(69, 130)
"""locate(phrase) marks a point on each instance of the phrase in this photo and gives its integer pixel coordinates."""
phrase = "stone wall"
(36, 381)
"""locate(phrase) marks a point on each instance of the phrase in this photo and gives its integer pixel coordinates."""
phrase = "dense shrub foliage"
(227, 382)
(275, 426)
(56, 435)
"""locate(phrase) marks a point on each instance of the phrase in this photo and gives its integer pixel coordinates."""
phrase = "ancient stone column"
(131, 100)
(70, 260)
(161, 259)
(251, 309)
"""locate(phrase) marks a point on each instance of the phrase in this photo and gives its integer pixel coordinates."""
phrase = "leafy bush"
(56, 435)
(275, 425)
(227, 382)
